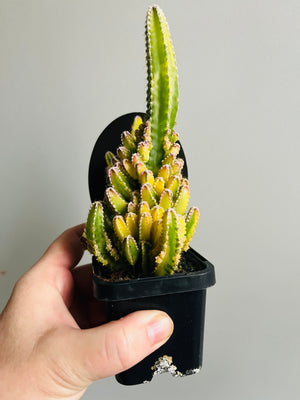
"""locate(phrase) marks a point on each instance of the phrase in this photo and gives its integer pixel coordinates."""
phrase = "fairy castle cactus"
(141, 225)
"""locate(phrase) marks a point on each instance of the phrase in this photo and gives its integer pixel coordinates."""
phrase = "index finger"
(67, 250)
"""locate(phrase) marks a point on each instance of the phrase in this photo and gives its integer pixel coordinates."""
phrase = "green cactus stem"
(162, 90)
(98, 242)
(141, 225)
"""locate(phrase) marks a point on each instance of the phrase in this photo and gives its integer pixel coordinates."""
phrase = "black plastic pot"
(182, 296)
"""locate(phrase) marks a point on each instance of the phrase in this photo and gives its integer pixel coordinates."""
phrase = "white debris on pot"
(165, 364)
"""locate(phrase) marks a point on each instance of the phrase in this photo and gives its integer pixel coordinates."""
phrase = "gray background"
(68, 68)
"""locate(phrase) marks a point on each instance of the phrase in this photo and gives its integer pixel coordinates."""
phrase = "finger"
(66, 251)
(104, 351)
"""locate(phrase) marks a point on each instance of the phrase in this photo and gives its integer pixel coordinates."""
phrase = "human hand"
(44, 352)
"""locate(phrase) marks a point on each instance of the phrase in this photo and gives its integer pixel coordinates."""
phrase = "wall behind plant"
(70, 67)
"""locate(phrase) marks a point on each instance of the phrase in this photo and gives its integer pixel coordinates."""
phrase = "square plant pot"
(182, 296)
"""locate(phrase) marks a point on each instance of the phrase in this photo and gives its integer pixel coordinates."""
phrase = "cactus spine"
(141, 225)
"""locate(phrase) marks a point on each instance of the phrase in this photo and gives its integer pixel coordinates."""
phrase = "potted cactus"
(139, 226)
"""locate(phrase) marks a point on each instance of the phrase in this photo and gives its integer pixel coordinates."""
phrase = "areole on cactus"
(142, 225)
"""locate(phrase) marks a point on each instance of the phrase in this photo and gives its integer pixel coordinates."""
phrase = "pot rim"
(200, 279)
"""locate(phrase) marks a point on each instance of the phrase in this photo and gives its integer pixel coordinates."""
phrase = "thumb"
(92, 354)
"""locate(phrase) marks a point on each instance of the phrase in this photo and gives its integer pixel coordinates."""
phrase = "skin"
(54, 341)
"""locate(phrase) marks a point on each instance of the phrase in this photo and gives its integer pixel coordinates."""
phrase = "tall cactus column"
(162, 89)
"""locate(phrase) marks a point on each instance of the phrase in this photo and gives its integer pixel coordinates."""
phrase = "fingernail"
(160, 328)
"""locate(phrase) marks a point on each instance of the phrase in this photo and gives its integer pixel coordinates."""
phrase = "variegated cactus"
(142, 225)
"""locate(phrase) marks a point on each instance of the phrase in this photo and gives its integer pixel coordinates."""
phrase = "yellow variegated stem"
(130, 250)
(120, 227)
(136, 124)
(148, 194)
(132, 207)
(168, 259)
(131, 220)
(182, 229)
(177, 166)
(157, 213)
(173, 184)
(173, 137)
(145, 225)
(156, 236)
(117, 203)
(140, 168)
(170, 159)
(191, 221)
(144, 149)
(147, 133)
(165, 172)
(135, 158)
(112, 251)
(185, 182)
(128, 141)
(182, 200)
(174, 149)
(131, 171)
(144, 208)
(165, 200)
(167, 143)
(110, 159)
(96, 237)
(159, 185)
(147, 177)
(119, 183)
(129, 179)
(123, 153)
